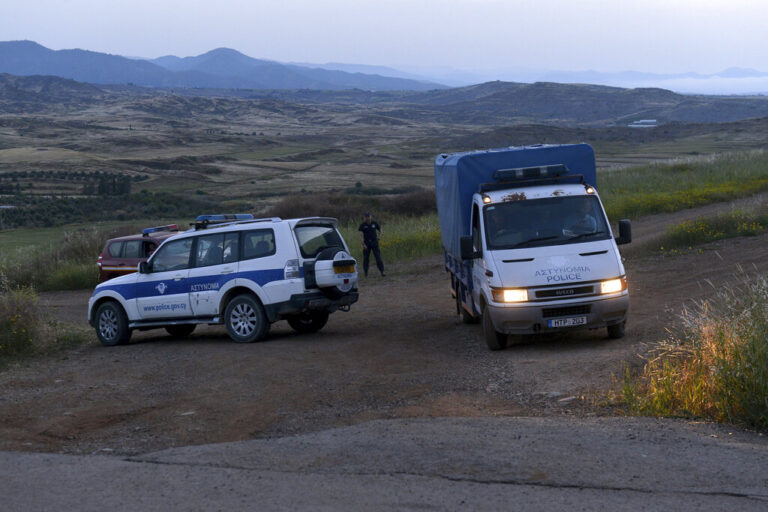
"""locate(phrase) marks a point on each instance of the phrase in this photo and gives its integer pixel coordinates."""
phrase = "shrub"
(67, 265)
(19, 321)
(350, 207)
(717, 368)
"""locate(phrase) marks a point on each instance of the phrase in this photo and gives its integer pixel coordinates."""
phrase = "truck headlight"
(509, 295)
(613, 285)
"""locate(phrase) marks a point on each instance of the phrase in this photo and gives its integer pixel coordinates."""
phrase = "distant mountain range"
(492, 103)
(222, 68)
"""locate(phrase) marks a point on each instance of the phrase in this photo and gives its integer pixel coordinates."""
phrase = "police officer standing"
(370, 232)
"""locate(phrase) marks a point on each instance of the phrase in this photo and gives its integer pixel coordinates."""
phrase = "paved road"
(441, 464)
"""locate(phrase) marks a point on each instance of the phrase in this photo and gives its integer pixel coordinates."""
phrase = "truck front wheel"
(494, 339)
(616, 331)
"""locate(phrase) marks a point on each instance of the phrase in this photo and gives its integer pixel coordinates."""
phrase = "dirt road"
(400, 353)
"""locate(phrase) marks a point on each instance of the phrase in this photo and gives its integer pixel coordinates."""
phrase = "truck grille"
(567, 311)
(558, 293)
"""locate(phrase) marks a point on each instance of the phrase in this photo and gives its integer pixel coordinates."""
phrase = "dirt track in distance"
(400, 352)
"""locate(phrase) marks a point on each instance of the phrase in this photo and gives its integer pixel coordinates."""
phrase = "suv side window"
(231, 247)
(173, 256)
(132, 249)
(115, 249)
(210, 250)
(258, 243)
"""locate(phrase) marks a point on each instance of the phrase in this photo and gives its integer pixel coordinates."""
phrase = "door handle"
(228, 270)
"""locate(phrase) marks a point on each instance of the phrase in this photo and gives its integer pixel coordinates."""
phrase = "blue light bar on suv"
(169, 227)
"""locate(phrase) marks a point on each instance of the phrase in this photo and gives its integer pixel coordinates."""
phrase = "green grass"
(658, 188)
(717, 368)
(710, 229)
(405, 238)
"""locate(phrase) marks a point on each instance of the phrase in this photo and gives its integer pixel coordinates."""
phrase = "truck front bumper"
(534, 318)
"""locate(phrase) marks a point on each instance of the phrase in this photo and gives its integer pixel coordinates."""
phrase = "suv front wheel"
(112, 324)
(245, 319)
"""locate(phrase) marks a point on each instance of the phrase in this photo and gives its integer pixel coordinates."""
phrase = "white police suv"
(245, 273)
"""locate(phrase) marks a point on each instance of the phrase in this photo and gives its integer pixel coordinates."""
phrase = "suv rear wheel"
(112, 324)
(245, 319)
(308, 322)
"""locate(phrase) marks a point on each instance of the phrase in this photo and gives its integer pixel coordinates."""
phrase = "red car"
(122, 255)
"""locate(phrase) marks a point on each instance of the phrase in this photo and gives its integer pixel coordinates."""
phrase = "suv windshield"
(550, 221)
(313, 239)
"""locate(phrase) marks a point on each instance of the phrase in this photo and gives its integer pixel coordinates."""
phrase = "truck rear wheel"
(466, 317)
(308, 322)
(245, 319)
(494, 339)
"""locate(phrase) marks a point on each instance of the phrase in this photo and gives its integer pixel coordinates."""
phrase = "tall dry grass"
(717, 368)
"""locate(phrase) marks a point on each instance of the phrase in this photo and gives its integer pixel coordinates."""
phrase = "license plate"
(567, 322)
(346, 269)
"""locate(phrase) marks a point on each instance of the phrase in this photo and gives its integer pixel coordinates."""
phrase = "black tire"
(308, 322)
(112, 324)
(616, 331)
(494, 339)
(180, 331)
(245, 319)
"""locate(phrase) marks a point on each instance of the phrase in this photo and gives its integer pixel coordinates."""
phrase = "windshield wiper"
(537, 239)
(586, 234)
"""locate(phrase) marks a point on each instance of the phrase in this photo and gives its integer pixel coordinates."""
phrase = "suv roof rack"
(205, 221)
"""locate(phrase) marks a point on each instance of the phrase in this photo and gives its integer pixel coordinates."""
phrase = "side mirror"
(144, 267)
(625, 232)
(467, 248)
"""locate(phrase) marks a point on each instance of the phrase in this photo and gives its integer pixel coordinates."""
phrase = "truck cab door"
(478, 264)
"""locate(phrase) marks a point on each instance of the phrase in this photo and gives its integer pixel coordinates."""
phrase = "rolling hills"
(221, 68)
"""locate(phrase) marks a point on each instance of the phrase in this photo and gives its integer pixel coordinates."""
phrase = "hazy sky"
(646, 35)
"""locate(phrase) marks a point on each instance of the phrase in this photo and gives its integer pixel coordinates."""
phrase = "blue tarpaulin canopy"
(459, 175)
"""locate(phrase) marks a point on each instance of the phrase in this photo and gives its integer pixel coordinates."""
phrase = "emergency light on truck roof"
(544, 171)
(169, 227)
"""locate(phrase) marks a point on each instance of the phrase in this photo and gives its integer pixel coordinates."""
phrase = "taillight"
(101, 258)
(292, 269)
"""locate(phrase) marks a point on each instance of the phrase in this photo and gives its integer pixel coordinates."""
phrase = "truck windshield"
(313, 239)
(550, 221)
